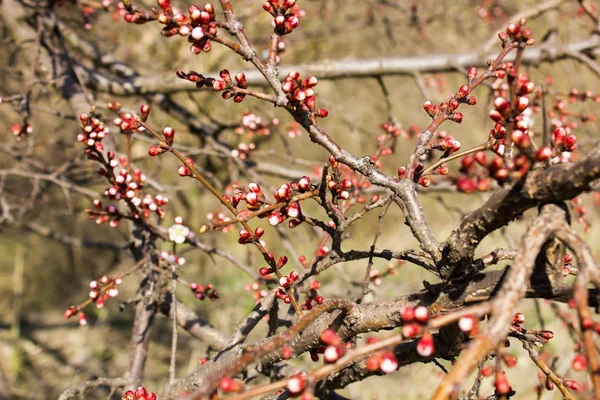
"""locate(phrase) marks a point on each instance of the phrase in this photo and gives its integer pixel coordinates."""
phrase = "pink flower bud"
(425, 346)
(184, 171)
(155, 151)
(296, 384)
(169, 134)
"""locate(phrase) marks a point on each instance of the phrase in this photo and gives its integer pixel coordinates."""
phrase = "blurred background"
(41, 353)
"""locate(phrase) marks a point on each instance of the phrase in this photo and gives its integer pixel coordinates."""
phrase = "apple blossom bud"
(425, 346)
(169, 134)
(184, 171)
(296, 384)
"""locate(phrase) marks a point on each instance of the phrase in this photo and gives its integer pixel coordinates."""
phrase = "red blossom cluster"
(139, 394)
(519, 319)
(384, 361)
(92, 132)
(257, 289)
(414, 319)
(253, 125)
(300, 92)
(224, 84)
(284, 18)
(243, 151)
(313, 297)
(127, 187)
(376, 276)
(199, 27)
(101, 290)
(20, 131)
(256, 201)
(478, 172)
(202, 292)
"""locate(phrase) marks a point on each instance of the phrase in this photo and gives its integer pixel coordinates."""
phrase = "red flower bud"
(425, 346)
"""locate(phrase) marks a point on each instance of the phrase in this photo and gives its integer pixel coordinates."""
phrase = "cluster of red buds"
(545, 382)
(338, 185)
(346, 180)
(202, 292)
(442, 142)
(448, 109)
(126, 186)
(580, 212)
(257, 289)
(386, 142)
(127, 122)
(243, 151)
(215, 221)
(501, 382)
(479, 171)
(301, 92)
(92, 132)
(100, 291)
(172, 259)
(445, 143)
(517, 33)
(252, 125)
(225, 83)
(293, 130)
(384, 361)
(414, 319)
(575, 96)
(255, 199)
(563, 139)
(287, 281)
(112, 214)
(313, 297)
(21, 130)
(504, 111)
(169, 136)
(517, 325)
(230, 385)
(284, 18)
(568, 268)
(103, 289)
(183, 170)
(394, 130)
(491, 11)
(249, 237)
(199, 27)
(88, 12)
(334, 346)
(332, 349)
(568, 117)
(139, 394)
(376, 276)
(266, 271)
(421, 180)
